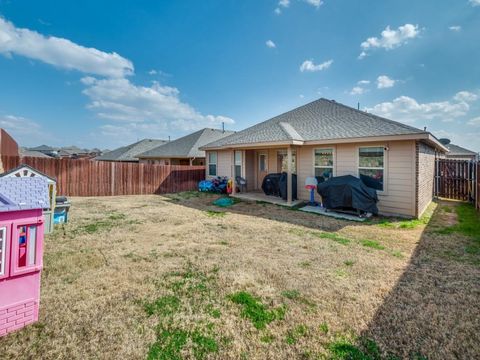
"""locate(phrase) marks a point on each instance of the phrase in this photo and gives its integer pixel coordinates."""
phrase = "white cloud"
(316, 3)
(270, 44)
(61, 52)
(310, 66)
(468, 140)
(153, 72)
(277, 11)
(474, 122)
(363, 82)
(152, 110)
(474, 2)
(284, 3)
(357, 90)
(465, 96)
(390, 39)
(23, 130)
(384, 82)
(407, 109)
(455, 28)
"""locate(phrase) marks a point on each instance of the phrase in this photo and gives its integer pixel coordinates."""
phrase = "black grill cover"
(276, 185)
(348, 192)
(270, 184)
(283, 186)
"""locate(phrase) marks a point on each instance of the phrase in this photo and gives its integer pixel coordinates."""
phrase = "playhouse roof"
(24, 170)
(23, 193)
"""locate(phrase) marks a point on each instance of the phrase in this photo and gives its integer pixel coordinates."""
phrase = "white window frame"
(209, 163)
(238, 163)
(4, 249)
(284, 152)
(334, 155)
(384, 168)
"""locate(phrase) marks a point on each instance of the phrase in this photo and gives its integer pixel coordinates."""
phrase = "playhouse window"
(3, 246)
(27, 245)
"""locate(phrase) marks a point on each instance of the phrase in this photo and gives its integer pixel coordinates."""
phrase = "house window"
(323, 163)
(212, 163)
(282, 161)
(3, 249)
(238, 164)
(371, 161)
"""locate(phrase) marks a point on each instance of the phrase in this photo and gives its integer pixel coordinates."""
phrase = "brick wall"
(17, 316)
(425, 175)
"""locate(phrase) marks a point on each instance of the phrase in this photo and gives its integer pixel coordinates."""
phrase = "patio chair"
(241, 183)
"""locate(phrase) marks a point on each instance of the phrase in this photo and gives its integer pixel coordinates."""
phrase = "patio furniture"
(241, 183)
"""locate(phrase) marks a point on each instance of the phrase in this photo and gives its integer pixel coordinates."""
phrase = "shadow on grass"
(433, 309)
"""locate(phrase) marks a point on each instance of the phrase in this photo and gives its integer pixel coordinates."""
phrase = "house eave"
(425, 136)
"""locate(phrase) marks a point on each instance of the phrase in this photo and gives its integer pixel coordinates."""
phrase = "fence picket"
(84, 177)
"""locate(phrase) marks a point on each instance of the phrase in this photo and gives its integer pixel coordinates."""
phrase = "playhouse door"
(5, 250)
(27, 246)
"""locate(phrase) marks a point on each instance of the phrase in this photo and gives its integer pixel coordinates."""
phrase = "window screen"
(371, 162)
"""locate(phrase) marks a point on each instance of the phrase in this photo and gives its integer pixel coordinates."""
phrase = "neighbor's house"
(456, 152)
(185, 150)
(325, 138)
(130, 152)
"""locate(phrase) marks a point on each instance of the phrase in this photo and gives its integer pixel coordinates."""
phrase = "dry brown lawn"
(138, 276)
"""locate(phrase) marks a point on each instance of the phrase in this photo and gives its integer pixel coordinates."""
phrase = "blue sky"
(108, 73)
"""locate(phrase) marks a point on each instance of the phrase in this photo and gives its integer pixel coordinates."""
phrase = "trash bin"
(62, 207)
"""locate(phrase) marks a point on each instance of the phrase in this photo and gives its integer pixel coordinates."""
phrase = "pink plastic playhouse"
(21, 248)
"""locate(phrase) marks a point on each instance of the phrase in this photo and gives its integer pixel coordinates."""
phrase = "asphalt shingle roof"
(130, 152)
(458, 150)
(187, 146)
(319, 120)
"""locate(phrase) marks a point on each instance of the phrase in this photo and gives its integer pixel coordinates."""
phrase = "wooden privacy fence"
(457, 179)
(84, 177)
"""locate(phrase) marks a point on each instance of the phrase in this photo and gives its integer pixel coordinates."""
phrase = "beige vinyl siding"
(399, 195)
(224, 163)
(250, 169)
(425, 173)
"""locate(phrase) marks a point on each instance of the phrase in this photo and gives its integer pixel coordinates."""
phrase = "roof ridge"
(373, 115)
(290, 131)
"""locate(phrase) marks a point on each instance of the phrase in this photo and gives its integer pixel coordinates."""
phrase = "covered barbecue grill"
(348, 193)
(276, 185)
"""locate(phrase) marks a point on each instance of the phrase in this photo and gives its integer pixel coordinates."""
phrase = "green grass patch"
(332, 236)
(165, 305)
(170, 343)
(349, 262)
(193, 295)
(468, 225)
(112, 220)
(214, 213)
(323, 327)
(291, 294)
(372, 244)
(408, 224)
(295, 334)
(347, 349)
(255, 311)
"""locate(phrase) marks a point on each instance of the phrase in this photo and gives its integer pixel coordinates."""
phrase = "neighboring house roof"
(43, 148)
(455, 150)
(32, 153)
(71, 150)
(130, 152)
(317, 121)
(24, 170)
(23, 193)
(187, 146)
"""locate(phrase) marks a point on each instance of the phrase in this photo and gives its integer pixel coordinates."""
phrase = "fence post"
(112, 184)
